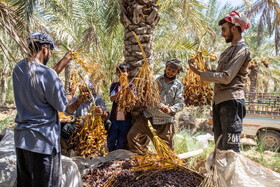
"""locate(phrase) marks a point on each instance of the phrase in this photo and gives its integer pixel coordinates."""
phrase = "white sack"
(239, 171)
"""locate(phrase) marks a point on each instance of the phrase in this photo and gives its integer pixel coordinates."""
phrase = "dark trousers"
(228, 118)
(117, 136)
(38, 170)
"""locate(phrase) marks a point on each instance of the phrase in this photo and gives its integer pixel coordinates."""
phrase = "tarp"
(237, 170)
(70, 174)
(85, 164)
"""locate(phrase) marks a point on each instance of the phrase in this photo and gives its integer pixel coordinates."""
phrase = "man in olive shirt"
(229, 98)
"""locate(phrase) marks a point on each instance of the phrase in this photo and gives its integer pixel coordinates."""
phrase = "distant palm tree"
(182, 26)
(12, 40)
(269, 11)
(264, 61)
(14, 26)
(86, 26)
(8, 56)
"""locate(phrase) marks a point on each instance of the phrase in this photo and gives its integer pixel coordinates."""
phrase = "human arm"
(101, 112)
(114, 97)
(71, 108)
(228, 67)
(114, 94)
(166, 109)
(193, 66)
(175, 103)
(101, 108)
(58, 67)
(178, 103)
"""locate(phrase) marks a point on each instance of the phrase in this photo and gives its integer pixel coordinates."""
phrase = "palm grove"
(166, 29)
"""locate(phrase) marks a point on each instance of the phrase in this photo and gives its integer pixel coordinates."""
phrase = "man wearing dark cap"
(229, 98)
(161, 117)
(38, 94)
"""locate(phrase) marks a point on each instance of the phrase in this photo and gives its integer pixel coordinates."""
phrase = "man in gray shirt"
(38, 94)
(81, 106)
(161, 117)
(229, 98)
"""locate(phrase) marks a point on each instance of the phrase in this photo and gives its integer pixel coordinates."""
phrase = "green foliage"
(10, 93)
(94, 27)
(4, 123)
(186, 142)
(266, 159)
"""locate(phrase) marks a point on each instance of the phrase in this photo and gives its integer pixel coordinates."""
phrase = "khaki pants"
(139, 135)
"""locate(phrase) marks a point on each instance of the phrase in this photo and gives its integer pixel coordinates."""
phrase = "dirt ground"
(267, 158)
(6, 112)
(7, 115)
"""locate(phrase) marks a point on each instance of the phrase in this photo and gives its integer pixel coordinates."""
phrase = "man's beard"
(230, 37)
(46, 59)
(169, 78)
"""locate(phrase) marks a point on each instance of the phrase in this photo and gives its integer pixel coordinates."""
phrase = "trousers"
(38, 170)
(140, 135)
(228, 118)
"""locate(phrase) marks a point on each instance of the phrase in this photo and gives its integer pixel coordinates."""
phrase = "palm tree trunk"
(67, 75)
(3, 87)
(266, 85)
(141, 17)
(253, 82)
(276, 85)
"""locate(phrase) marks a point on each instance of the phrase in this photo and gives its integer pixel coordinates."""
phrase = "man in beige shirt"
(229, 99)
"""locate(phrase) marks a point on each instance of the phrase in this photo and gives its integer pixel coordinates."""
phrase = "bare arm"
(114, 97)
(58, 67)
(194, 67)
(74, 106)
(99, 111)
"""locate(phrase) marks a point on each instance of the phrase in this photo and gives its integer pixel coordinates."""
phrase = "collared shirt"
(38, 94)
(84, 108)
(231, 73)
(170, 96)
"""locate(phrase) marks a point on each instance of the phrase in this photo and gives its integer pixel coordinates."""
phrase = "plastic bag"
(70, 174)
(237, 170)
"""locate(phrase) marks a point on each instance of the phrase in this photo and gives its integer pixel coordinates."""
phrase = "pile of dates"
(121, 174)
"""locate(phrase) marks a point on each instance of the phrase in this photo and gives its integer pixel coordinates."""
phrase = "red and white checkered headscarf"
(238, 19)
